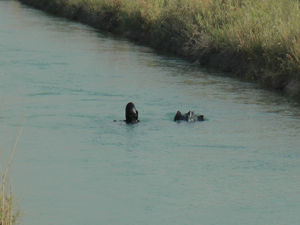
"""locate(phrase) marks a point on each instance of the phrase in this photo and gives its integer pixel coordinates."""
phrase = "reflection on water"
(76, 166)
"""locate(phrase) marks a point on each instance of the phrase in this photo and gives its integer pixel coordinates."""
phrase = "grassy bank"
(255, 39)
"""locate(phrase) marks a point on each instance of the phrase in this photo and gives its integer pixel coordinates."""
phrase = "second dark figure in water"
(190, 116)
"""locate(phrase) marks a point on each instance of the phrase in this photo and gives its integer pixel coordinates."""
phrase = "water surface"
(74, 165)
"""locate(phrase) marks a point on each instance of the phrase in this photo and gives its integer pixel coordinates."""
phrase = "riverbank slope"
(256, 40)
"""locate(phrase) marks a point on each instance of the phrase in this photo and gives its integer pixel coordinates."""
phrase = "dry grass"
(261, 32)
(9, 214)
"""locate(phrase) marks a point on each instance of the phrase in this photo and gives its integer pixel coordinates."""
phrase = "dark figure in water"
(131, 113)
(190, 116)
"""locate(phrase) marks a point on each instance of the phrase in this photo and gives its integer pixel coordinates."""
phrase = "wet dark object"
(190, 116)
(131, 113)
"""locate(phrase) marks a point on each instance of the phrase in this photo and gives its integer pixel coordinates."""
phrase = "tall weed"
(9, 213)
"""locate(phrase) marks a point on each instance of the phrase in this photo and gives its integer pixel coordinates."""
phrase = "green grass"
(260, 33)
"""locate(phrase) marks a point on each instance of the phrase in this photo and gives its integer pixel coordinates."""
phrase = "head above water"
(131, 113)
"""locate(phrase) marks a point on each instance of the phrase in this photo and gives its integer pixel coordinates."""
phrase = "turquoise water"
(74, 165)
